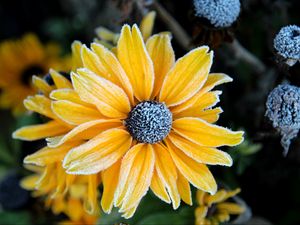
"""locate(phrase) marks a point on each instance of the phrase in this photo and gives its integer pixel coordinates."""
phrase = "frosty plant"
(140, 119)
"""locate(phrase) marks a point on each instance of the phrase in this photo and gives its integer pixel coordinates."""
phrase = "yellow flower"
(109, 39)
(214, 209)
(69, 197)
(148, 121)
(19, 60)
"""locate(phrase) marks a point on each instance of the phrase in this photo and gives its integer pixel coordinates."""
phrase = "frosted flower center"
(149, 122)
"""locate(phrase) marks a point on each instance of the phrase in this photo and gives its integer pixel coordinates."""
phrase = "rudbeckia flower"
(215, 209)
(70, 199)
(19, 60)
(145, 121)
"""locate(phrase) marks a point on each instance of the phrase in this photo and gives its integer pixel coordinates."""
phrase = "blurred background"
(270, 183)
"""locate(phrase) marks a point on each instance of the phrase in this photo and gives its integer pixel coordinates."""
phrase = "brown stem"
(179, 33)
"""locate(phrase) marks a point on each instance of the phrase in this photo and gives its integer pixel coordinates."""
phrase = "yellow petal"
(74, 209)
(48, 155)
(84, 131)
(159, 189)
(232, 193)
(70, 95)
(197, 103)
(197, 174)
(184, 189)
(213, 79)
(231, 208)
(29, 182)
(36, 132)
(187, 77)
(201, 154)
(59, 80)
(91, 202)
(147, 24)
(130, 212)
(209, 115)
(91, 61)
(110, 99)
(218, 197)
(98, 153)
(200, 196)
(111, 64)
(110, 178)
(166, 171)
(73, 113)
(39, 104)
(201, 212)
(137, 170)
(41, 85)
(76, 56)
(107, 35)
(163, 58)
(136, 62)
(202, 133)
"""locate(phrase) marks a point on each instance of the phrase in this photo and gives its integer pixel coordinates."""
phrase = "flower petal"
(166, 171)
(41, 85)
(39, 104)
(98, 153)
(198, 103)
(36, 132)
(59, 80)
(74, 113)
(202, 133)
(70, 95)
(91, 202)
(201, 154)
(137, 170)
(213, 79)
(186, 77)
(158, 188)
(84, 131)
(110, 178)
(46, 155)
(76, 56)
(231, 208)
(184, 189)
(110, 99)
(147, 24)
(196, 173)
(136, 62)
(113, 67)
(163, 58)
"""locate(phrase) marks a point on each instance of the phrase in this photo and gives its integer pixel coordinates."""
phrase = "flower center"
(149, 122)
(29, 72)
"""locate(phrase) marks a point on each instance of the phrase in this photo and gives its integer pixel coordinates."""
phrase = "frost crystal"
(287, 42)
(220, 13)
(283, 109)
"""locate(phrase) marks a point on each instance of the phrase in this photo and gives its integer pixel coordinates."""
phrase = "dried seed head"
(283, 109)
(220, 13)
(287, 43)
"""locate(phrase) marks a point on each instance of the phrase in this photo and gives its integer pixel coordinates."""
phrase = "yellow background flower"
(215, 209)
(19, 60)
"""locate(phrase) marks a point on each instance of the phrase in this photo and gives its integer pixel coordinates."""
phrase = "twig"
(243, 54)
(179, 33)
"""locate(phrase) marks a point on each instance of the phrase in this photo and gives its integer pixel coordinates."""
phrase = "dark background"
(270, 183)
